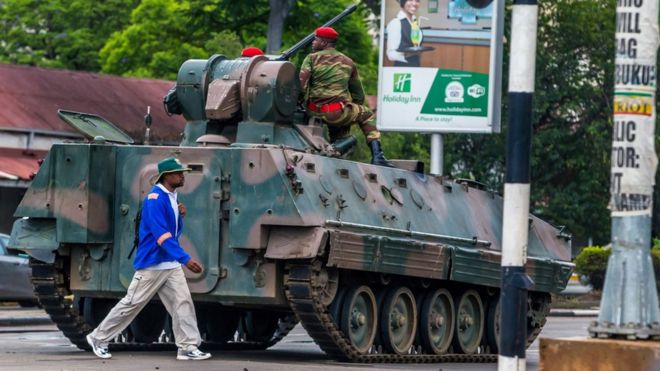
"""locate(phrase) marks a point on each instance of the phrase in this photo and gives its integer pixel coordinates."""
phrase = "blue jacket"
(159, 241)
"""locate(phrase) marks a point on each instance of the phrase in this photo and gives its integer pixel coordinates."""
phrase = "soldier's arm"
(355, 87)
(305, 75)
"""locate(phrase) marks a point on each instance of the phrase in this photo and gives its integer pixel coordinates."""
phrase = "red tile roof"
(31, 96)
(17, 164)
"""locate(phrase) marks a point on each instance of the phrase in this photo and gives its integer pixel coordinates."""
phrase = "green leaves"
(59, 33)
(592, 262)
(571, 121)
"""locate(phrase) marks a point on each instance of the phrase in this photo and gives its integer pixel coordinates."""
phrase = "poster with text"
(634, 157)
(440, 66)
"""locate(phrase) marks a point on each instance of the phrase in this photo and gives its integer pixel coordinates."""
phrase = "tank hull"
(256, 211)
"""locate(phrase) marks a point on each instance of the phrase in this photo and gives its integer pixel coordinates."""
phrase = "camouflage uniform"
(329, 76)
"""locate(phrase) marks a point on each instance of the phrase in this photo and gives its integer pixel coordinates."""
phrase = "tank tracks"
(304, 294)
(50, 283)
(302, 291)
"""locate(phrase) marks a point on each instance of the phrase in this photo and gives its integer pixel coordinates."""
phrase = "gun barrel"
(308, 39)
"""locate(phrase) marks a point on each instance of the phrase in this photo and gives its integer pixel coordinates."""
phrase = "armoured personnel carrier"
(378, 264)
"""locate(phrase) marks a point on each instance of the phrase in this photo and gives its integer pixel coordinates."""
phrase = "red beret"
(326, 33)
(251, 52)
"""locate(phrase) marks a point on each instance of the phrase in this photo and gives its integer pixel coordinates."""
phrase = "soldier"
(251, 51)
(158, 270)
(333, 92)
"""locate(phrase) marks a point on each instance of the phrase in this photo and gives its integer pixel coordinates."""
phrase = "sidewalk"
(574, 312)
(18, 316)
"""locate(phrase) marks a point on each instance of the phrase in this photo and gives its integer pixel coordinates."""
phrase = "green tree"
(592, 262)
(571, 120)
(147, 47)
(162, 34)
(59, 33)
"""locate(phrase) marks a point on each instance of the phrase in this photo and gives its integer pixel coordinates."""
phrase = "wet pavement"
(40, 346)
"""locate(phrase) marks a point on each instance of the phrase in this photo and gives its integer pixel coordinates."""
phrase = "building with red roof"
(29, 123)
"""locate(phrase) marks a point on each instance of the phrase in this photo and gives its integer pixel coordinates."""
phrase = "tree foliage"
(59, 33)
(154, 44)
(592, 263)
(571, 120)
(162, 34)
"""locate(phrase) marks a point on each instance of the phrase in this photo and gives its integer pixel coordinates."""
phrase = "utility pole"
(437, 153)
(515, 282)
(629, 306)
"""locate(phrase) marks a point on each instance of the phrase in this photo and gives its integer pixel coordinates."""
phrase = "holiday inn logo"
(402, 82)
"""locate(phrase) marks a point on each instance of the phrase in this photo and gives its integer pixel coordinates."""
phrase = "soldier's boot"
(377, 155)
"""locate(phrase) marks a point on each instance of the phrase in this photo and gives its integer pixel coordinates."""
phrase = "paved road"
(42, 347)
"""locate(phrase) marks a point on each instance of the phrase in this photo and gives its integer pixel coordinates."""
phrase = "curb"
(574, 312)
(25, 321)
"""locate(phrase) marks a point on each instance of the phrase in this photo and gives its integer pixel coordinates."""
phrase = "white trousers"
(172, 289)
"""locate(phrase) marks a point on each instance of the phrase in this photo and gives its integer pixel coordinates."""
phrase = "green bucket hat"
(170, 165)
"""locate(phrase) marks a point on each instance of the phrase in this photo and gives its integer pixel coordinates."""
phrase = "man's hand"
(182, 210)
(194, 266)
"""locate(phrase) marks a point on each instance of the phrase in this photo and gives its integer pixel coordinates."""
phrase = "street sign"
(440, 66)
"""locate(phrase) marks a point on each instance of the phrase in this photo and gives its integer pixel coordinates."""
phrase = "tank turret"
(225, 91)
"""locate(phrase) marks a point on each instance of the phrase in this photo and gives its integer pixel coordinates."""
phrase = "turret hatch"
(92, 126)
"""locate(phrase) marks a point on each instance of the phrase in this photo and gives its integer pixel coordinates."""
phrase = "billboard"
(440, 66)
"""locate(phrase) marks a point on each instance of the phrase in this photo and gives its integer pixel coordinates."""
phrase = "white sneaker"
(194, 355)
(99, 351)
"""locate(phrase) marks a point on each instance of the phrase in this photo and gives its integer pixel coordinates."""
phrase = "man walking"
(333, 92)
(158, 270)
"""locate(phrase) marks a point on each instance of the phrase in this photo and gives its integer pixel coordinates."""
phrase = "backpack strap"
(136, 239)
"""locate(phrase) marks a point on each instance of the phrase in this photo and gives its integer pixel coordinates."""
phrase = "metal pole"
(147, 123)
(515, 282)
(629, 306)
(436, 154)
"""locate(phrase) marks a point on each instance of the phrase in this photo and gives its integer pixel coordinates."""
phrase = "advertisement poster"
(634, 157)
(440, 66)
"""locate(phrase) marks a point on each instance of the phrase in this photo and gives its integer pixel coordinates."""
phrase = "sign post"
(629, 306)
(440, 68)
(515, 224)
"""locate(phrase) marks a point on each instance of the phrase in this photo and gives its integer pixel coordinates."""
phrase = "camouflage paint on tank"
(37, 237)
(260, 196)
(263, 195)
(75, 188)
(106, 267)
(271, 196)
(252, 132)
(388, 255)
(137, 173)
(379, 196)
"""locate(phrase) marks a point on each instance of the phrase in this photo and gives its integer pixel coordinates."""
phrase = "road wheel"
(94, 309)
(149, 323)
(259, 326)
(436, 322)
(398, 320)
(469, 323)
(221, 325)
(493, 325)
(359, 317)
